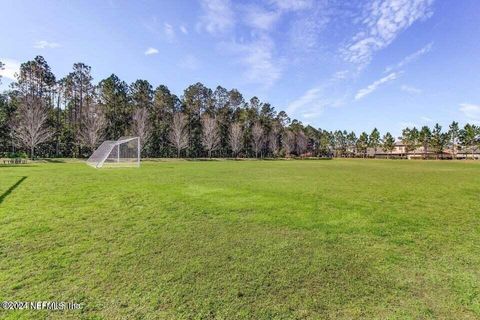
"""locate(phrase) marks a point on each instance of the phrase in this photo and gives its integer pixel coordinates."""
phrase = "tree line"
(69, 117)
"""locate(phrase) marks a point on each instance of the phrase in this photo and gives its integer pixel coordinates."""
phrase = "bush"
(19, 154)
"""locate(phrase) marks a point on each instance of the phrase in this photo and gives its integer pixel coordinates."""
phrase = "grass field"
(243, 239)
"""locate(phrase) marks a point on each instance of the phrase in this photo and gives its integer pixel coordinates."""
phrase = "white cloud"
(258, 59)
(411, 58)
(471, 111)
(305, 31)
(292, 5)
(312, 115)
(218, 16)
(307, 99)
(259, 18)
(168, 31)
(162, 29)
(183, 29)
(340, 75)
(189, 62)
(151, 51)
(374, 86)
(257, 54)
(42, 44)
(407, 124)
(426, 119)
(11, 67)
(313, 102)
(410, 89)
(384, 21)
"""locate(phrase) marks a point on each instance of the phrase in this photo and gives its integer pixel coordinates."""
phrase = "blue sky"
(333, 64)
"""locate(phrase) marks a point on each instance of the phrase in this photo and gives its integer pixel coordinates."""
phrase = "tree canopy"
(74, 114)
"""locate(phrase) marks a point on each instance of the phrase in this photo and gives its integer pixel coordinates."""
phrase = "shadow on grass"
(10, 190)
(255, 159)
(231, 159)
(54, 160)
(203, 159)
(17, 165)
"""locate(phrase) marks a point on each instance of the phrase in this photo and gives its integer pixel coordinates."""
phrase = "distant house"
(400, 151)
(469, 153)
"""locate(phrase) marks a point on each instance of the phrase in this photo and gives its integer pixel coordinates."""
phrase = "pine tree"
(80, 94)
(388, 143)
(410, 140)
(362, 144)
(114, 100)
(165, 105)
(374, 141)
(438, 141)
(196, 100)
(2, 67)
(469, 137)
(453, 135)
(352, 143)
(424, 137)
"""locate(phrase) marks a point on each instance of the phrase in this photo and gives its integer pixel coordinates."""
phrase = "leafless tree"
(301, 143)
(93, 126)
(141, 126)
(30, 124)
(210, 134)
(179, 135)
(257, 138)
(236, 134)
(288, 142)
(273, 143)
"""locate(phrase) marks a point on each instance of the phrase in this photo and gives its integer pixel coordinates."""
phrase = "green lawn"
(337, 239)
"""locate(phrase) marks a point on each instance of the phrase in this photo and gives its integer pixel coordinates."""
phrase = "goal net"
(124, 152)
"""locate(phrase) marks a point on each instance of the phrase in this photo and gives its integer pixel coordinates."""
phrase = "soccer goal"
(124, 152)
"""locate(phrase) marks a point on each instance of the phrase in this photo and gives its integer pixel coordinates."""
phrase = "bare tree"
(179, 135)
(289, 142)
(302, 143)
(257, 138)
(93, 126)
(30, 124)
(235, 135)
(273, 143)
(141, 126)
(210, 134)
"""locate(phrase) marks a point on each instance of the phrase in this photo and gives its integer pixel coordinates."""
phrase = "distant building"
(400, 151)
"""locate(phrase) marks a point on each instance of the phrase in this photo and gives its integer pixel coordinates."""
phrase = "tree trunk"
(178, 153)
(57, 144)
(32, 152)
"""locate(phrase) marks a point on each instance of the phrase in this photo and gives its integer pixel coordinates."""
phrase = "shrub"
(19, 154)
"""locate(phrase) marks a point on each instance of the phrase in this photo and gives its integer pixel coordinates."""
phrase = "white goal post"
(124, 152)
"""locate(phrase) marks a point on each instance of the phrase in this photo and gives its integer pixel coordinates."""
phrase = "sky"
(333, 64)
